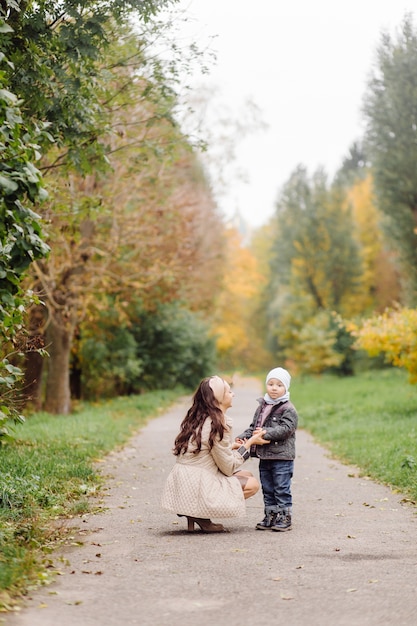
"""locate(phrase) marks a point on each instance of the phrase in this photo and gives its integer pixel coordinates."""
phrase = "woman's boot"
(206, 525)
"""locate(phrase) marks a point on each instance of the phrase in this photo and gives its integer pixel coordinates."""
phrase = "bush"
(152, 350)
(175, 347)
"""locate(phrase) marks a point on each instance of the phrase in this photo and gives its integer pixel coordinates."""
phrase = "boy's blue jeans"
(276, 484)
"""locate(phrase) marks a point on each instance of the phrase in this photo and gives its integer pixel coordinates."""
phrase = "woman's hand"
(257, 438)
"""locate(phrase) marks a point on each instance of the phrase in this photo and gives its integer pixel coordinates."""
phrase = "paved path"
(350, 559)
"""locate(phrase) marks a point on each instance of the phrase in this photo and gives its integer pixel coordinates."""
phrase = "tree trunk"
(34, 362)
(58, 344)
(32, 388)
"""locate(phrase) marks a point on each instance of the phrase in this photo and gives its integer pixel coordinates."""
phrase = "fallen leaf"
(76, 603)
(42, 605)
(407, 501)
(350, 590)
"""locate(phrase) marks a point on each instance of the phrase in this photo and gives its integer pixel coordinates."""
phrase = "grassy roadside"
(49, 473)
(369, 421)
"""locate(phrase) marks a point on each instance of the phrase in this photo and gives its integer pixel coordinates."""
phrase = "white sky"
(304, 64)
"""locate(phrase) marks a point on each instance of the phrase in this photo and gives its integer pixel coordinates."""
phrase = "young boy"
(278, 417)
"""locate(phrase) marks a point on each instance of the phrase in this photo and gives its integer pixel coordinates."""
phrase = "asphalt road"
(349, 560)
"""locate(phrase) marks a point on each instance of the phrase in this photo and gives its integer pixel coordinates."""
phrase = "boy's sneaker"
(282, 521)
(267, 522)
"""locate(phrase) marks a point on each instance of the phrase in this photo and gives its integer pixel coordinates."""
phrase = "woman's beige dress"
(202, 485)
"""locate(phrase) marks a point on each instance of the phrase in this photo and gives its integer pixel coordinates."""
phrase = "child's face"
(275, 388)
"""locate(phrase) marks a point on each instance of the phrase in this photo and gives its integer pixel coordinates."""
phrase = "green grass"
(49, 472)
(368, 420)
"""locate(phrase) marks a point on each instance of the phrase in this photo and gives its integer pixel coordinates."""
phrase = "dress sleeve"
(227, 460)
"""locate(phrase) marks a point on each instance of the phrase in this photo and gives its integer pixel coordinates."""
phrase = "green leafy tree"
(151, 349)
(174, 346)
(76, 67)
(390, 109)
(314, 251)
(315, 270)
(21, 188)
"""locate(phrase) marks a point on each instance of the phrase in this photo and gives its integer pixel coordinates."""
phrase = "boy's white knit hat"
(282, 375)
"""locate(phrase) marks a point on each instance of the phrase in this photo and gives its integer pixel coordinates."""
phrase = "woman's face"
(228, 396)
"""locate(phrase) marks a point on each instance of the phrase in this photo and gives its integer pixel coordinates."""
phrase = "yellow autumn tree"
(394, 334)
(379, 285)
(239, 344)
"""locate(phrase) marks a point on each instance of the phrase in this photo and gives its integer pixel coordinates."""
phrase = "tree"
(21, 188)
(148, 232)
(238, 344)
(314, 251)
(390, 109)
(394, 334)
(316, 271)
(65, 59)
(50, 91)
(380, 286)
(354, 166)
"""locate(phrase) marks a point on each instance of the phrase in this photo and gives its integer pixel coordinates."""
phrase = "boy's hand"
(258, 434)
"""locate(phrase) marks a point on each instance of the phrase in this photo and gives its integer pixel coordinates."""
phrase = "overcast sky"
(305, 65)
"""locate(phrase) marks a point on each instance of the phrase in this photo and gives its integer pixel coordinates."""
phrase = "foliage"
(305, 339)
(390, 109)
(21, 242)
(379, 285)
(10, 375)
(314, 251)
(107, 360)
(154, 349)
(150, 230)
(367, 420)
(53, 88)
(316, 272)
(57, 49)
(394, 334)
(237, 341)
(343, 346)
(49, 471)
(108, 101)
(354, 166)
(174, 346)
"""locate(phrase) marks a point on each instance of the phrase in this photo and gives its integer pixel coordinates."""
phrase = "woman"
(206, 481)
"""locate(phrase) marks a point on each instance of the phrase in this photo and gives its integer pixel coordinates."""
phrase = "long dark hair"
(204, 405)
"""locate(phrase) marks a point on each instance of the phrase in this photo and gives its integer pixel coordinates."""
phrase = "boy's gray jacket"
(280, 426)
